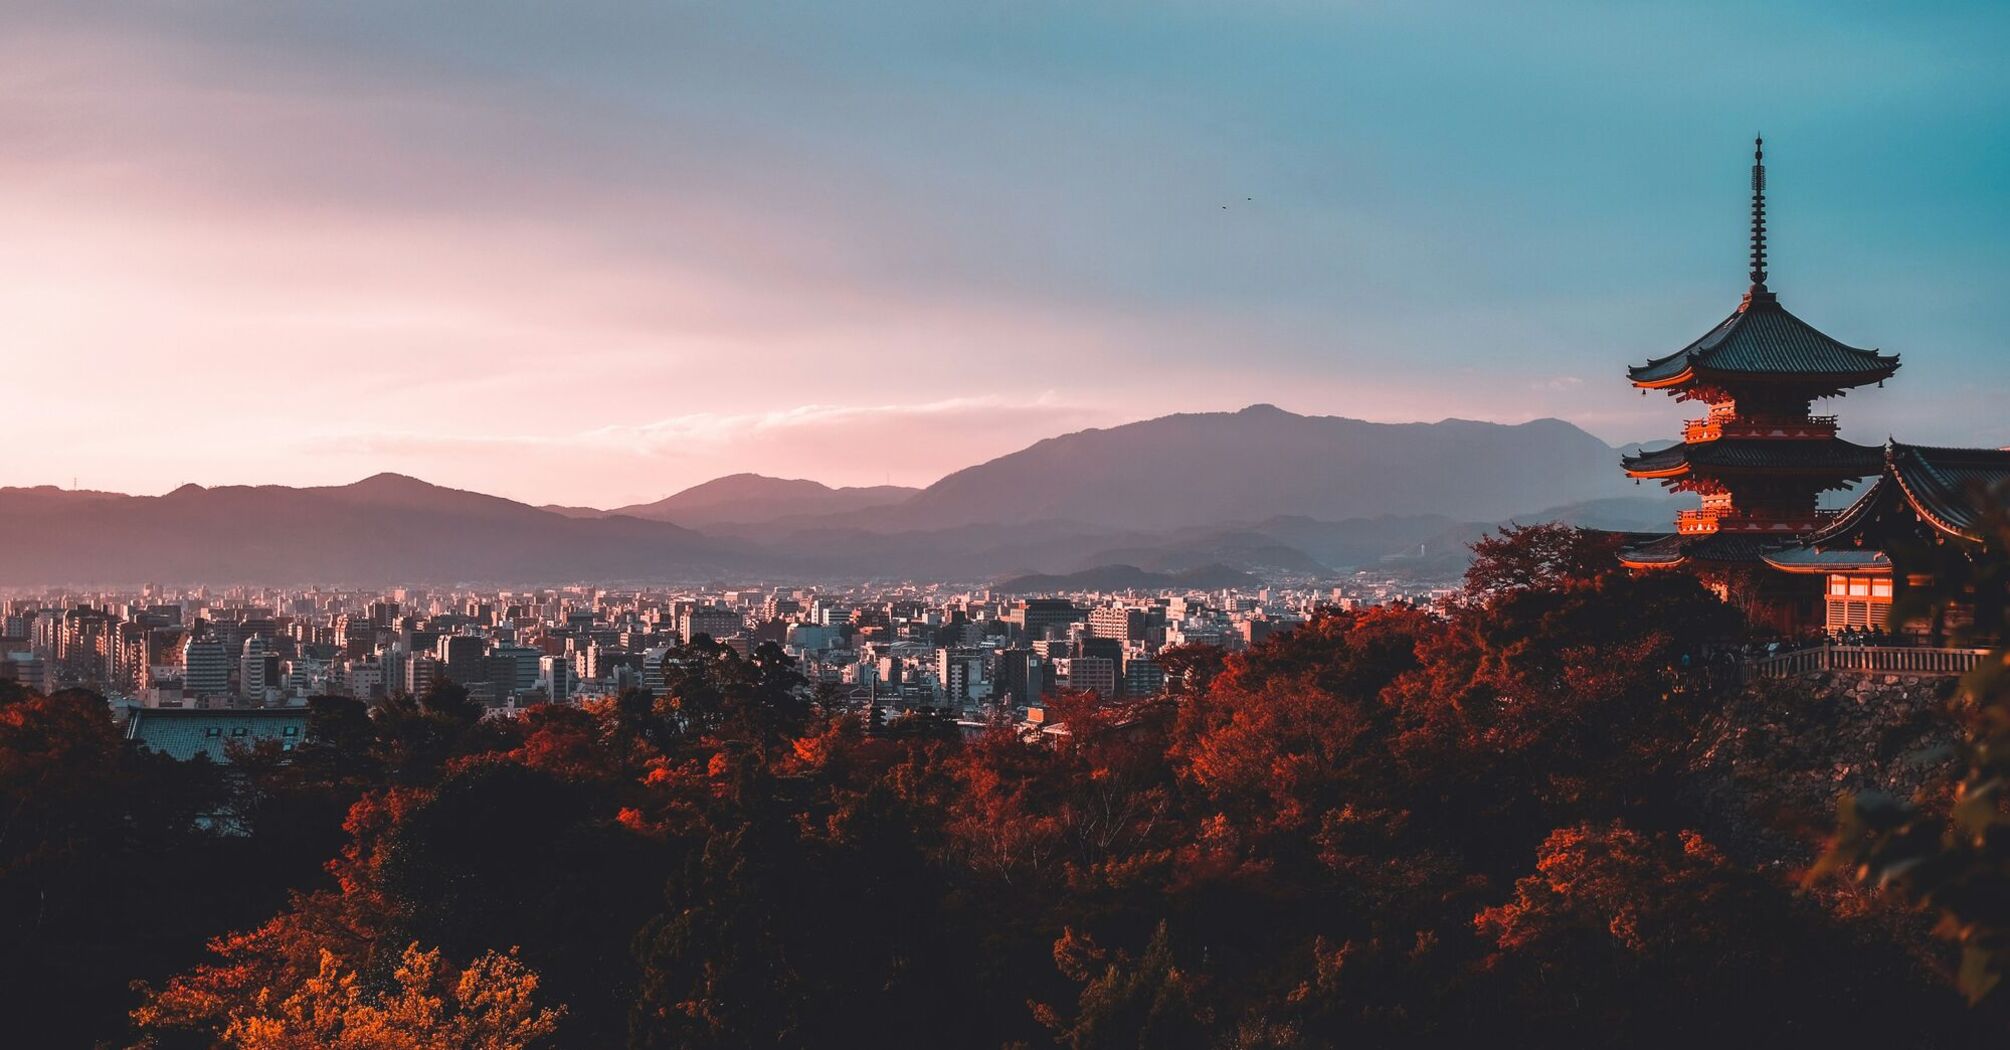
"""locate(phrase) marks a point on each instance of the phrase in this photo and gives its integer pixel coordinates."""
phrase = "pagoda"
(1759, 457)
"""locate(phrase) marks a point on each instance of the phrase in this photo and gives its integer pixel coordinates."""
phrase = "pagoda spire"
(1759, 214)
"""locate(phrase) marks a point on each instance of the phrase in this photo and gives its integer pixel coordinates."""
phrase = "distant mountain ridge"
(1214, 467)
(1257, 491)
(387, 528)
(747, 499)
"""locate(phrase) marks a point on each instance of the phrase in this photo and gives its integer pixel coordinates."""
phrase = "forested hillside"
(1518, 825)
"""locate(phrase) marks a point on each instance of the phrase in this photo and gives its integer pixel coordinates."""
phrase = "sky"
(594, 252)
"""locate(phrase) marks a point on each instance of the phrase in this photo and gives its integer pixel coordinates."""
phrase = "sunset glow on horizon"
(596, 254)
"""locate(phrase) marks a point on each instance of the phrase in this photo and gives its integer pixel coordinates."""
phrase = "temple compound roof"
(1669, 549)
(1950, 490)
(184, 733)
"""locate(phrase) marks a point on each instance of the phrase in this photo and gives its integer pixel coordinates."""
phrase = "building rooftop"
(1948, 488)
(183, 733)
(1762, 340)
(1669, 549)
(1756, 454)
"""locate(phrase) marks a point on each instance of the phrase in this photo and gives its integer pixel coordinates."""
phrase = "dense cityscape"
(160, 655)
(1113, 526)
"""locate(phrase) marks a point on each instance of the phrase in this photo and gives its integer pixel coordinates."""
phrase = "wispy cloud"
(583, 253)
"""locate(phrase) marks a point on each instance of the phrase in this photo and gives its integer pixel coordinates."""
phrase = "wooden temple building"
(1760, 459)
(1928, 513)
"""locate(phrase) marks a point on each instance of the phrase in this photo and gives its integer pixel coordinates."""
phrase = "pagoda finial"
(1759, 214)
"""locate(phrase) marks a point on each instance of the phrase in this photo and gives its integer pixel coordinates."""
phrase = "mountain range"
(1257, 491)
(742, 499)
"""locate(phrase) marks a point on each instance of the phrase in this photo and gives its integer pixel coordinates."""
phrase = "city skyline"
(601, 256)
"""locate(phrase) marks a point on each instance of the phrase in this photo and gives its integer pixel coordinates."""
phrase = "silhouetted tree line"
(1385, 828)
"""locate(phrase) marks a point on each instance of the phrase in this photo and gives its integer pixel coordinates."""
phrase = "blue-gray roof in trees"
(183, 733)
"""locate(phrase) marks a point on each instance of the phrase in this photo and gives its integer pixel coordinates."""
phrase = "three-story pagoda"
(1759, 457)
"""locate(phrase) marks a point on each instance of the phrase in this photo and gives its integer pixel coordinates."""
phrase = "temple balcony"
(1714, 427)
(1709, 520)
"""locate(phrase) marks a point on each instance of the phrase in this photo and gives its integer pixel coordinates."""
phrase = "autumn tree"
(490, 1004)
(93, 834)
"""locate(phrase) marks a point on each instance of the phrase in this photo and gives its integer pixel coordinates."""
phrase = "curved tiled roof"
(1670, 549)
(1947, 487)
(1832, 454)
(1950, 486)
(1661, 549)
(1763, 339)
(1846, 559)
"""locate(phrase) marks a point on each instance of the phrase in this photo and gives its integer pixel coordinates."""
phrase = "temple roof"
(1948, 488)
(1657, 550)
(1843, 559)
(1669, 549)
(183, 733)
(1762, 340)
(1833, 455)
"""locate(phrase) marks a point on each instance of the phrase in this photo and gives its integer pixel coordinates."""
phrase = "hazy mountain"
(756, 498)
(1221, 467)
(1652, 512)
(1128, 578)
(1260, 490)
(384, 529)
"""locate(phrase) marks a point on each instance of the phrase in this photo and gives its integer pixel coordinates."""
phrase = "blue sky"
(594, 252)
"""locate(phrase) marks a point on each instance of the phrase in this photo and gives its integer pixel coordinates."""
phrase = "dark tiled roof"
(1675, 549)
(1762, 338)
(1731, 547)
(1952, 486)
(183, 733)
(1843, 559)
(1662, 549)
(1832, 454)
(1948, 487)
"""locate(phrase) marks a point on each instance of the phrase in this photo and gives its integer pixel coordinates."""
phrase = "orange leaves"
(631, 818)
(489, 1005)
(1640, 890)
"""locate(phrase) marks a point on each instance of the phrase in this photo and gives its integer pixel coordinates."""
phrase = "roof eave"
(1668, 564)
(1686, 375)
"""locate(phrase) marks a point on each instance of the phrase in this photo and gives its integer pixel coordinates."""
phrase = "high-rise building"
(1038, 617)
(523, 661)
(30, 670)
(554, 675)
(717, 623)
(421, 671)
(1021, 677)
(957, 673)
(1096, 674)
(257, 670)
(1142, 675)
(1123, 623)
(652, 668)
(460, 657)
(206, 668)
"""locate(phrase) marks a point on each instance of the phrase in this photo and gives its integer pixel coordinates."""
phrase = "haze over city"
(595, 254)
